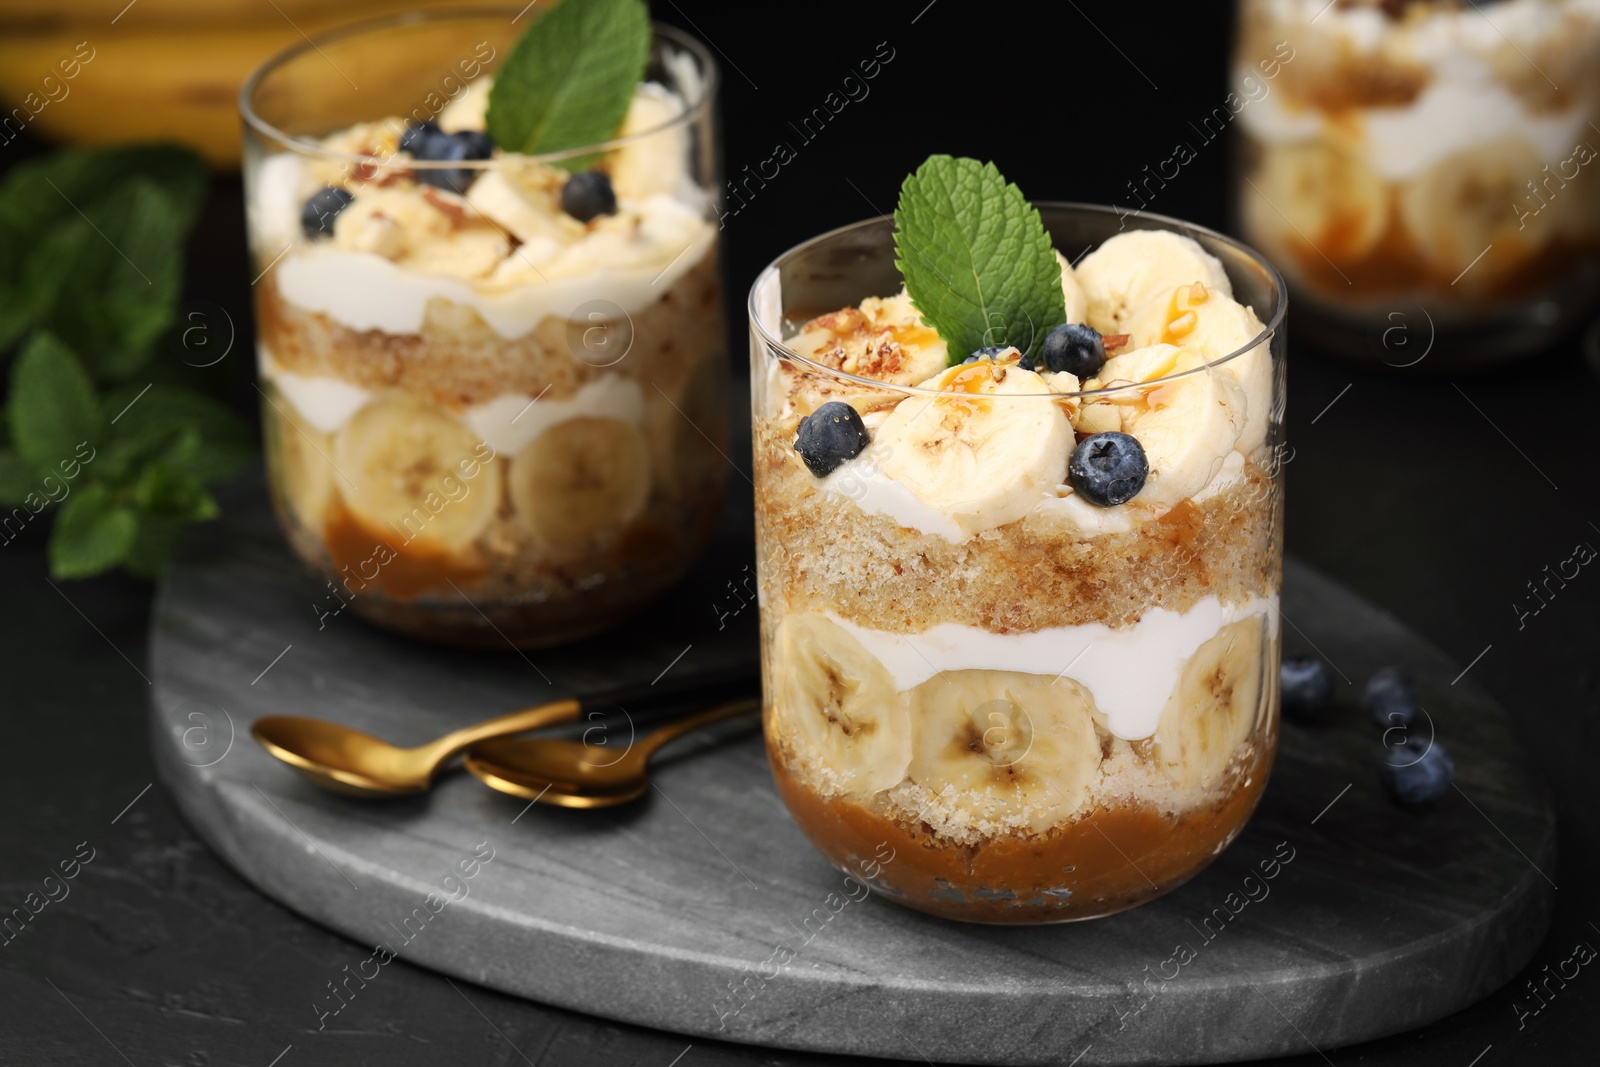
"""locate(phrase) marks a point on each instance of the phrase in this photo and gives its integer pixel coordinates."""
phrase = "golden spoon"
(565, 773)
(347, 760)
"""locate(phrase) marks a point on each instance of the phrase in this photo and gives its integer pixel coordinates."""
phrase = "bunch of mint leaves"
(95, 428)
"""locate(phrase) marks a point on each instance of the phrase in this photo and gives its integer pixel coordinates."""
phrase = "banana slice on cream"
(300, 454)
(1213, 709)
(1005, 746)
(986, 452)
(1214, 325)
(1128, 269)
(401, 461)
(835, 702)
(1187, 425)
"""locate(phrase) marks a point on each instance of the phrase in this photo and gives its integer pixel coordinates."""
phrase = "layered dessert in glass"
(1019, 609)
(1401, 155)
(493, 382)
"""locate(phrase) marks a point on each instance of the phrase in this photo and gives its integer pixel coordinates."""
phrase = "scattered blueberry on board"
(588, 195)
(993, 352)
(1306, 687)
(1108, 468)
(1390, 697)
(1417, 771)
(1075, 348)
(425, 141)
(829, 436)
(316, 216)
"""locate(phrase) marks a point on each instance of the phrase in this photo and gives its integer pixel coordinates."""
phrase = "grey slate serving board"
(672, 913)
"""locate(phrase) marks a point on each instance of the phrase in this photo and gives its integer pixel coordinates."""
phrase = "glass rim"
(778, 349)
(692, 112)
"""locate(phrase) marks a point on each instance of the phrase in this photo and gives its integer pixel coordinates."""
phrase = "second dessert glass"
(1045, 715)
(493, 398)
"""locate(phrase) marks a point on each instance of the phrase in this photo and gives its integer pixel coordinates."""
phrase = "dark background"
(1437, 498)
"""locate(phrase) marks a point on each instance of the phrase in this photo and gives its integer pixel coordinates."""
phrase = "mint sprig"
(975, 257)
(95, 435)
(569, 79)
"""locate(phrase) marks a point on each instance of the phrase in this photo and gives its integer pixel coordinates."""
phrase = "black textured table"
(1437, 500)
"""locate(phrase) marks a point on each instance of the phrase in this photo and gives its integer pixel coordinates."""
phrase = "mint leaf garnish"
(569, 79)
(92, 532)
(976, 259)
(52, 404)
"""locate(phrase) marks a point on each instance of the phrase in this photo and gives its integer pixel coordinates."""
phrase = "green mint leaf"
(42, 191)
(52, 404)
(157, 536)
(976, 259)
(569, 79)
(92, 533)
(17, 479)
(153, 423)
(108, 282)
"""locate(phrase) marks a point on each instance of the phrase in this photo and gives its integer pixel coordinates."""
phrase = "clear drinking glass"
(1053, 719)
(1423, 172)
(486, 419)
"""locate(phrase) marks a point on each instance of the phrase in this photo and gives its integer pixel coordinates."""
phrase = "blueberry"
(1306, 684)
(829, 436)
(434, 144)
(1108, 468)
(416, 136)
(316, 217)
(1418, 771)
(588, 195)
(1390, 697)
(1074, 348)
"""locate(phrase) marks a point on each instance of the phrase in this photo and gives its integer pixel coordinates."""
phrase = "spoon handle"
(554, 713)
(675, 730)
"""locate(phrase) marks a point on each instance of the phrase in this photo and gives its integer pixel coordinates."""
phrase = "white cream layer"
(364, 291)
(508, 423)
(1463, 107)
(1131, 672)
(874, 492)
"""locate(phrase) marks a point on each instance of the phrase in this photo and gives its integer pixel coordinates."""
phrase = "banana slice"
(1319, 195)
(298, 455)
(403, 461)
(1071, 291)
(653, 164)
(1214, 707)
(1187, 426)
(834, 699)
(1130, 268)
(885, 338)
(1212, 326)
(983, 462)
(1003, 745)
(581, 478)
(1467, 202)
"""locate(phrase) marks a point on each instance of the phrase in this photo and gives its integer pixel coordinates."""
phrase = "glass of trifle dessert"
(1021, 532)
(490, 342)
(1423, 170)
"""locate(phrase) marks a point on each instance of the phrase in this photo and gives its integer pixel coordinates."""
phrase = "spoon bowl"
(349, 761)
(571, 774)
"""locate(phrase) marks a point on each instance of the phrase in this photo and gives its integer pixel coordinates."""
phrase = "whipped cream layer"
(508, 423)
(1463, 106)
(515, 264)
(861, 481)
(1131, 672)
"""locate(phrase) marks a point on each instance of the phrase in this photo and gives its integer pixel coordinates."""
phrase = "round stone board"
(1337, 916)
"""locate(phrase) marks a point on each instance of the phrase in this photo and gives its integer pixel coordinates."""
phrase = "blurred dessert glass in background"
(1425, 172)
(492, 383)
